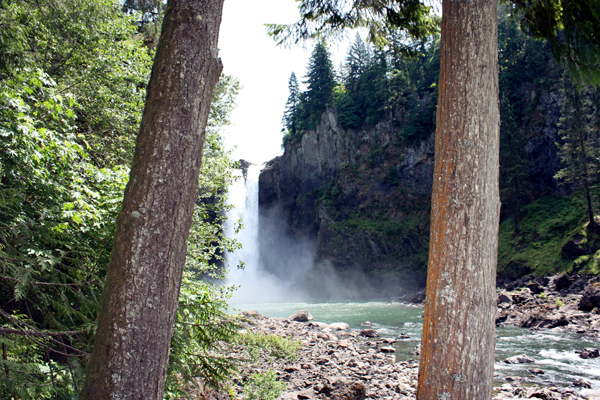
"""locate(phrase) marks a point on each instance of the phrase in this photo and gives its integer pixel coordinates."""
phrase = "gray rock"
(504, 298)
(339, 326)
(535, 287)
(582, 383)
(536, 371)
(370, 333)
(590, 297)
(588, 353)
(301, 316)
(562, 281)
(520, 359)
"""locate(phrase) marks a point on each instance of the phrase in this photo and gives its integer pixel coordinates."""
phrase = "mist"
(280, 266)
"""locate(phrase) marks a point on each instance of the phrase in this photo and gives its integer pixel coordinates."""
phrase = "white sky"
(263, 70)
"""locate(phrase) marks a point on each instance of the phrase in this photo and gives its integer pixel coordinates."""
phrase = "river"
(552, 350)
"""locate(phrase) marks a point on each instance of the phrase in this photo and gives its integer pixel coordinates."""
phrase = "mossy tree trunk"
(457, 360)
(140, 297)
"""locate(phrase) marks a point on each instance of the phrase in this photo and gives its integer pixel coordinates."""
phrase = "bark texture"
(457, 359)
(140, 297)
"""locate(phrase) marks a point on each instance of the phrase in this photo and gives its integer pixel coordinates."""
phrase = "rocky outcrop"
(361, 196)
(551, 308)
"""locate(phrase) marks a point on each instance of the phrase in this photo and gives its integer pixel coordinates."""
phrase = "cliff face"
(361, 197)
(351, 194)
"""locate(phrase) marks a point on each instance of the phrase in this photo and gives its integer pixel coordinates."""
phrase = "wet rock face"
(353, 172)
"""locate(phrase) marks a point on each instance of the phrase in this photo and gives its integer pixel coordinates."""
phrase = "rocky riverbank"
(334, 362)
(338, 363)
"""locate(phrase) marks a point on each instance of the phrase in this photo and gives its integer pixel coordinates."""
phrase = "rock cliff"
(359, 199)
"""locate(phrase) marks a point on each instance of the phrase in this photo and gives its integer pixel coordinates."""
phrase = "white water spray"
(254, 285)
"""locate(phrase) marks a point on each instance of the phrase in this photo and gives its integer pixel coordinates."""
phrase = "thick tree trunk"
(139, 302)
(457, 360)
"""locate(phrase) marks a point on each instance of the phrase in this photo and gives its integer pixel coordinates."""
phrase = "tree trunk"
(457, 359)
(140, 297)
(583, 159)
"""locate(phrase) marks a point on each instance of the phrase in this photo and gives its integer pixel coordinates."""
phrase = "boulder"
(582, 383)
(535, 287)
(343, 390)
(562, 281)
(301, 316)
(575, 247)
(387, 350)
(370, 333)
(504, 298)
(416, 298)
(523, 297)
(590, 297)
(520, 359)
(588, 353)
(536, 371)
(543, 393)
(325, 336)
(339, 326)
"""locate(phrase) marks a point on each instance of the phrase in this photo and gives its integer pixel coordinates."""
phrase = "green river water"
(553, 351)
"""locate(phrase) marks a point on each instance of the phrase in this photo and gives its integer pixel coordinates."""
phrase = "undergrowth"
(546, 225)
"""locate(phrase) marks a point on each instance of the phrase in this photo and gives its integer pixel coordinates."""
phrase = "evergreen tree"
(289, 119)
(356, 63)
(373, 89)
(579, 149)
(320, 78)
(514, 165)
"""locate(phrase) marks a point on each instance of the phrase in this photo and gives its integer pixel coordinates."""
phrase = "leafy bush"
(272, 345)
(263, 386)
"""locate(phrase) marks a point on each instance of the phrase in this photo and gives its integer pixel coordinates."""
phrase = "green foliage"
(201, 340)
(580, 147)
(348, 112)
(57, 215)
(546, 224)
(272, 345)
(389, 23)
(263, 386)
(559, 303)
(393, 176)
(63, 138)
(571, 27)
(320, 79)
(290, 115)
(89, 48)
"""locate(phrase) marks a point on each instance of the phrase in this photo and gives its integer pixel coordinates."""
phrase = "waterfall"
(255, 285)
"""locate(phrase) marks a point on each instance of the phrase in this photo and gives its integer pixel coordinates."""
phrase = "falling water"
(254, 285)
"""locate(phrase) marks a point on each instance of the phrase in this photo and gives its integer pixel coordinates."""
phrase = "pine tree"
(514, 165)
(320, 79)
(289, 119)
(373, 86)
(356, 63)
(579, 149)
